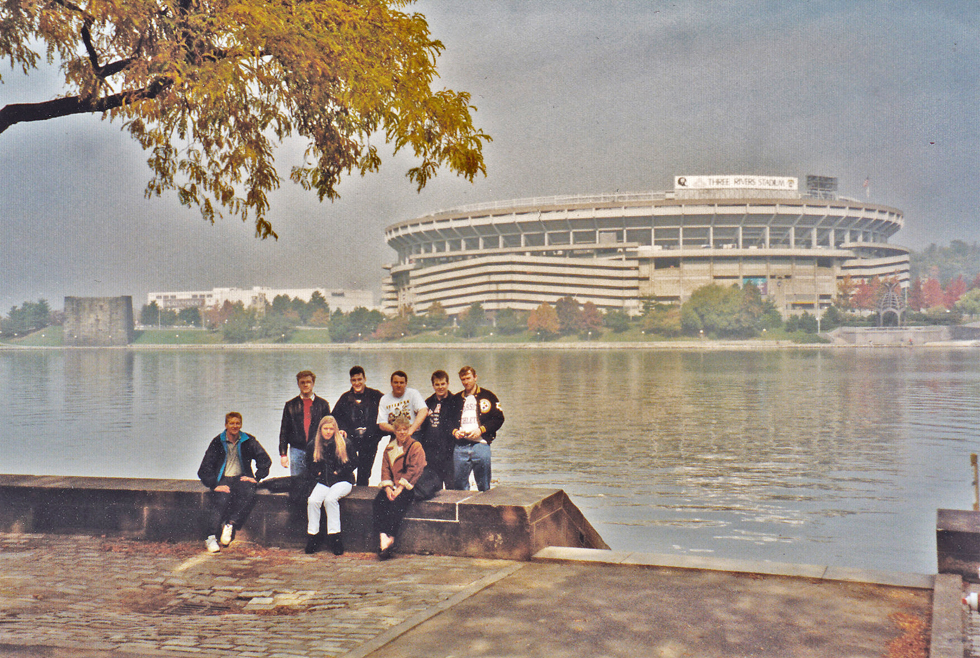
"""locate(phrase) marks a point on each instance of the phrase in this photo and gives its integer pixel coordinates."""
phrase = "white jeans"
(329, 497)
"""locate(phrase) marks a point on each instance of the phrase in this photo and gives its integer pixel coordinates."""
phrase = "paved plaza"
(83, 596)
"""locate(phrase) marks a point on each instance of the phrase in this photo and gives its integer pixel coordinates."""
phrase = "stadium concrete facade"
(617, 249)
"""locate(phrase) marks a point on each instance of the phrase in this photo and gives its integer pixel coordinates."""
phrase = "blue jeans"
(297, 461)
(473, 457)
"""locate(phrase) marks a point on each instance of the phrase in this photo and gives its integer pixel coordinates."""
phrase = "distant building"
(616, 249)
(344, 300)
(98, 321)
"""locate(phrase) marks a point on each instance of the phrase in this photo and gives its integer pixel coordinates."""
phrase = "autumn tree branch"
(15, 113)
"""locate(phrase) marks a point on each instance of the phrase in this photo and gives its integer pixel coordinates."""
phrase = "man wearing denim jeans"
(300, 418)
(480, 418)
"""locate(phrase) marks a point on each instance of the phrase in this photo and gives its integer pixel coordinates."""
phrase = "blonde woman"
(331, 464)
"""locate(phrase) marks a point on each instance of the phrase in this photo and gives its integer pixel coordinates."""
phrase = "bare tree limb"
(61, 107)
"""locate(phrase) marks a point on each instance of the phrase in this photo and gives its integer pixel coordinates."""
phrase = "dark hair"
(305, 373)
(232, 414)
(357, 370)
(467, 369)
(399, 373)
(440, 374)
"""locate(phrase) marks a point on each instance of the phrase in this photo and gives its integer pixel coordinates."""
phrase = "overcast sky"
(580, 97)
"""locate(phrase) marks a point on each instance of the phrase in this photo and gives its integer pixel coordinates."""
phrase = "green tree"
(618, 321)
(436, 316)
(168, 317)
(472, 319)
(150, 314)
(240, 326)
(277, 328)
(280, 305)
(211, 89)
(29, 317)
(190, 316)
(510, 321)
(969, 303)
(665, 320)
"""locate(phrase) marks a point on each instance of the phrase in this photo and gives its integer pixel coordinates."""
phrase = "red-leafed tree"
(954, 290)
(932, 294)
(866, 294)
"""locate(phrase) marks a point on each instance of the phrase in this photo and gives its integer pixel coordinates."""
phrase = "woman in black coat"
(330, 465)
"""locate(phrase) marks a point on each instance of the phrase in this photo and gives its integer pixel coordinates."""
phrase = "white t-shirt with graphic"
(408, 405)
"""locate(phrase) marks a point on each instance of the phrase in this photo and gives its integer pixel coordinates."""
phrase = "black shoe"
(310, 544)
(336, 543)
(385, 554)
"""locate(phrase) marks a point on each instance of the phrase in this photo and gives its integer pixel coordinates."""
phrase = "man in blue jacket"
(227, 470)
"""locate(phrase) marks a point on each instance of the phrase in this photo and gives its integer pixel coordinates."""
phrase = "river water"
(827, 456)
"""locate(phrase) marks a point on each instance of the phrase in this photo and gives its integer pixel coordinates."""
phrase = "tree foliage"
(543, 322)
(30, 316)
(210, 88)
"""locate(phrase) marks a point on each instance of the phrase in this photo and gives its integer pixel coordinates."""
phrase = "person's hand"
(222, 488)
(284, 460)
(393, 493)
(246, 478)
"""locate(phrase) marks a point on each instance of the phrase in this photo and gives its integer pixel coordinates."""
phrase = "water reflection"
(837, 457)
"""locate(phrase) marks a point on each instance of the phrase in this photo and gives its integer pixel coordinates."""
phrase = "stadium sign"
(735, 183)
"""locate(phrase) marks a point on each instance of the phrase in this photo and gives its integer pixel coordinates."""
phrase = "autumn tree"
(591, 319)
(569, 315)
(211, 88)
(953, 291)
(543, 321)
(932, 294)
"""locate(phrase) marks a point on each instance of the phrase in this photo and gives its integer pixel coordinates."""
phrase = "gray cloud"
(580, 97)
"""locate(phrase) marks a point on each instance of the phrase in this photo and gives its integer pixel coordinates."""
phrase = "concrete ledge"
(946, 640)
(817, 572)
(958, 543)
(506, 522)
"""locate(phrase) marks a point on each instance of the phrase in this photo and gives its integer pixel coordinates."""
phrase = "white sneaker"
(212, 544)
(226, 534)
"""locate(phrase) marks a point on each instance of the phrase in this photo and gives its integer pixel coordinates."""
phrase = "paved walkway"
(84, 597)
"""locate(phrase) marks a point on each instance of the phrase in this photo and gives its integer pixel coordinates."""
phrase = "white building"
(344, 300)
(615, 249)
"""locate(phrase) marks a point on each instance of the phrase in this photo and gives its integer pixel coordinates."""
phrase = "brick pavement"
(88, 597)
(107, 596)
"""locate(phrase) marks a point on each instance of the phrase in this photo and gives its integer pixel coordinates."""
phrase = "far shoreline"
(690, 345)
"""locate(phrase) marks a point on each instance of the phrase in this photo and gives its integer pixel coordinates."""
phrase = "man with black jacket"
(300, 418)
(479, 420)
(356, 412)
(436, 435)
(227, 470)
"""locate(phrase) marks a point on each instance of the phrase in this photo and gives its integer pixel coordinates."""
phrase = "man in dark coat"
(356, 412)
(300, 418)
(227, 470)
(436, 435)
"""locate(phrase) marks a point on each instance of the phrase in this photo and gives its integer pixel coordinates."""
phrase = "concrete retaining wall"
(958, 543)
(505, 522)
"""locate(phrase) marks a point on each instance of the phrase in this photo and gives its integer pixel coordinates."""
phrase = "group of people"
(446, 437)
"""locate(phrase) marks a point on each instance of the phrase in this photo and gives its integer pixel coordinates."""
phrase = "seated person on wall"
(437, 430)
(401, 467)
(227, 470)
(330, 466)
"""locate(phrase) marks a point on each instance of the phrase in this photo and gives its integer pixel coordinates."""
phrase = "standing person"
(402, 401)
(300, 418)
(401, 465)
(227, 470)
(479, 420)
(356, 412)
(440, 423)
(331, 466)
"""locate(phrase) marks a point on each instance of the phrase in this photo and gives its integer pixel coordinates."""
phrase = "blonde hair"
(340, 445)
